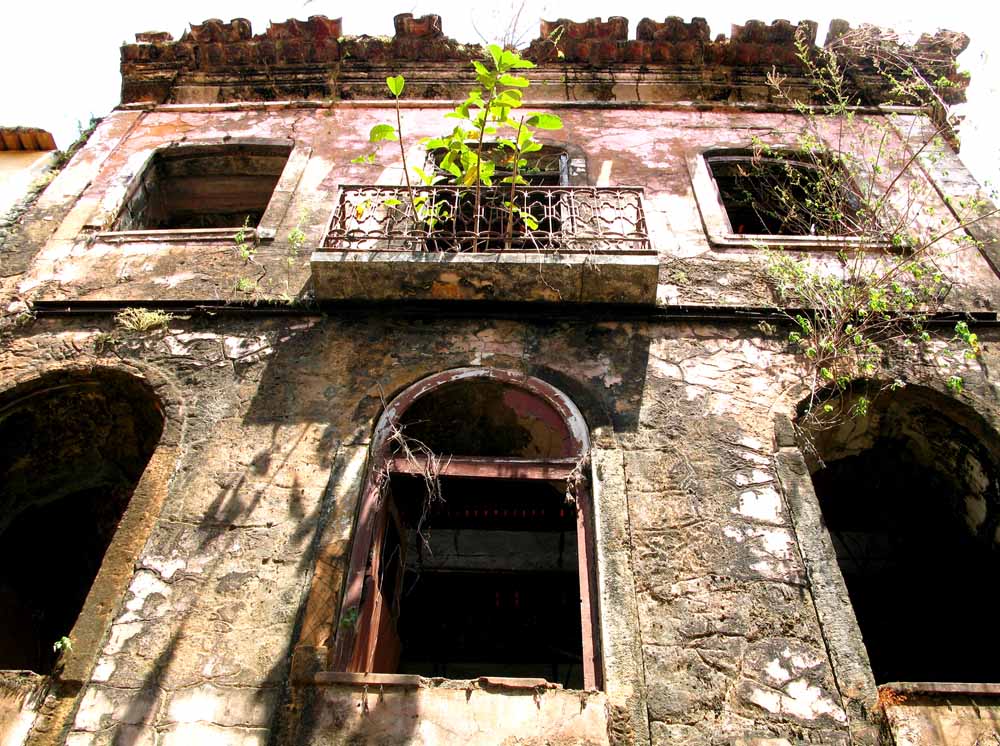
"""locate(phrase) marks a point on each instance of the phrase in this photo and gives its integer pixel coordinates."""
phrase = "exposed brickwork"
(671, 42)
(310, 59)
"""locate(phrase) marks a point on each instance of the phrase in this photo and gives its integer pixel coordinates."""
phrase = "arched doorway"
(473, 551)
(73, 446)
(910, 497)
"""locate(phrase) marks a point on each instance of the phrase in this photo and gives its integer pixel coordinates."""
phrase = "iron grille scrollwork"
(554, 219)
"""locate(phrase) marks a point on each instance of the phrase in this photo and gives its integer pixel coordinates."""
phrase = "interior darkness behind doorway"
(490, 580)
(72, 448)
(922, 586)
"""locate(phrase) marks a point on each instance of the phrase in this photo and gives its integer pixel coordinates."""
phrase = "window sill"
(804, 243)
(942, 688)
(187, 235)
(394, 708)
(412, 681)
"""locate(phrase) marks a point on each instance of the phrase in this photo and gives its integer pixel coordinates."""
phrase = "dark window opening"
(71, 454)
(914, 520)
(784, 194)
(491, 584)
(546, 167)
(204, 186)
(486, 418)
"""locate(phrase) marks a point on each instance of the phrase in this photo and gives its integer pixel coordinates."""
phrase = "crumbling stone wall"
(277, 417)
(715, 584)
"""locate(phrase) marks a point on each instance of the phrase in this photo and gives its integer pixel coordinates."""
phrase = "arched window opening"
(479, 417)
(72, 449)
(909, 494)
(473, 555)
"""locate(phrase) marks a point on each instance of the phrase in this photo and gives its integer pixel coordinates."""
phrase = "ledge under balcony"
(532, 243)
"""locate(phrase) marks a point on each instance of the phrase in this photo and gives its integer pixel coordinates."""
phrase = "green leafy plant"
(955, 384)
(349, 618)
(62, 645)
(246, 245)
(296, 240)
(140, 320)
(245, 285)
(489, 139)
(851, 179)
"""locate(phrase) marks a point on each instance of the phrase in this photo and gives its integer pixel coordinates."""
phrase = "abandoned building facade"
(296, 451)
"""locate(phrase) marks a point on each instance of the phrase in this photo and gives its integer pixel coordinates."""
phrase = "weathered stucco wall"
(723, 618)
(276, 418)
(653, 149)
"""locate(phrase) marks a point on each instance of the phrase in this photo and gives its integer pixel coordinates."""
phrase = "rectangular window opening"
(483, 582)
(204, 186)
(784, 194)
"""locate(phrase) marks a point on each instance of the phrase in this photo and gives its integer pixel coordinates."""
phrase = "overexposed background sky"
(59, 60)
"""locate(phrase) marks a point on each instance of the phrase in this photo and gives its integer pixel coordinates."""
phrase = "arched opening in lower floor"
(909, 494)
(73, 446)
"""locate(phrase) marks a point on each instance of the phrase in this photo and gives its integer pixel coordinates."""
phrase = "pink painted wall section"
(651, 148)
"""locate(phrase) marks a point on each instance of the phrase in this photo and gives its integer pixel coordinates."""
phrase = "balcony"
(541, 243)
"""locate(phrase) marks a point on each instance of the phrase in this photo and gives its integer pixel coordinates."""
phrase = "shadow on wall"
(341, 371)
(337, 374)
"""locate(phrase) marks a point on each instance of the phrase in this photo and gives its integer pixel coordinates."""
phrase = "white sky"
(60, 59)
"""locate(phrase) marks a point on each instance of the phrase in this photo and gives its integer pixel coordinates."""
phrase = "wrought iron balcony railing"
(570, 220)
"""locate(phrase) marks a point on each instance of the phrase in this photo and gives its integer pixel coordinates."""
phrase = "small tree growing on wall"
(490, 139)
(855, 179)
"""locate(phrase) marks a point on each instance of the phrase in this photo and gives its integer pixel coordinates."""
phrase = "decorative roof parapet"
(215, 44)
(871, 52)
(416, 40)
(667, 61)
(672, 42)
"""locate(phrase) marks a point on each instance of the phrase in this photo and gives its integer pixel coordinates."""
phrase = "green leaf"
(424, 176)
(512, 60)
(515, 81)
(955, 384)
(382, 132)
(496, 53)
(395, 83)
(366, 158)
(392, 202)
(544, 121)
(481, 69)
(531, 146)
(510, 98)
